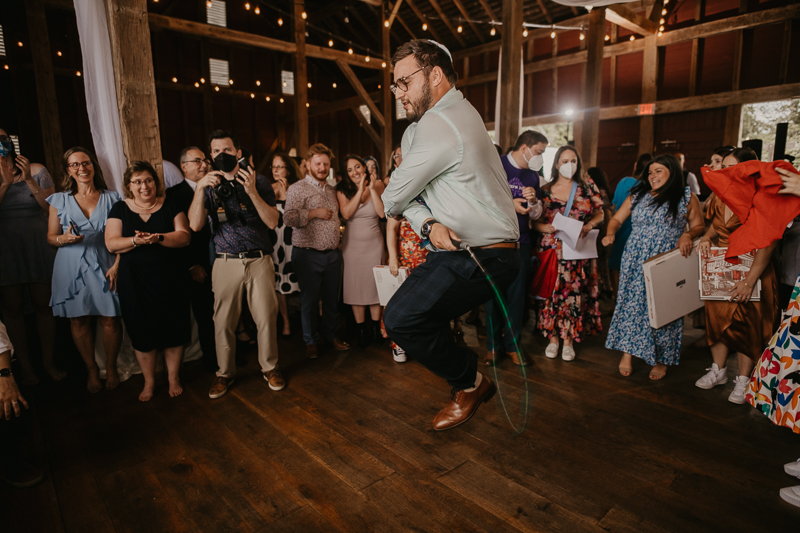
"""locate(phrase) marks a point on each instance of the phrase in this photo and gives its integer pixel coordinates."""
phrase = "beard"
(418, 108)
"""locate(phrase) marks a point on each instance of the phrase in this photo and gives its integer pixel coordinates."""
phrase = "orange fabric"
(750, 190)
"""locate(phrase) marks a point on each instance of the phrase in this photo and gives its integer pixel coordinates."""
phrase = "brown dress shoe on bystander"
(490, 358)
(311, 351)
(518, 360)
(274, 379)
(462, 405)
(339, 345)
(220, 387)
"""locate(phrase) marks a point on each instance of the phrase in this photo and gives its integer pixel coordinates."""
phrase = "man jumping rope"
(452, 189)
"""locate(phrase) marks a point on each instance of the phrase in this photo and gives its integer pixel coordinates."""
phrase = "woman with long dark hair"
(85, 272)
(363, 248)
(660, 205)
(572, 312)
(285, 173)
(27, 260)
(738, 324)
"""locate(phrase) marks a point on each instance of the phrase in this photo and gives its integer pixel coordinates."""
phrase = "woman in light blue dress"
(85, 273)
(660, 206)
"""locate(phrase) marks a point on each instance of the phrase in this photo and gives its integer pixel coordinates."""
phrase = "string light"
(334, 85)
(216, 89)
(5, 67)
(174, 80)
(257, 10)
(196, 84)
(58, 53)
(663, 12)
(607, 38)
(662, 21)
(77, 73)
(267, 98)
(309, 85)
(492, 33)
(366, 58)
(252, 95)
(552, 35)
(308, 105)
(383, 64)
(424, 26)
(633, 38)
(19, 44)
(379, 86)
(661, 29)
(209, 3)
(303, 14)
(350, 51)
(281, 100)
(330, 43)
(386, 23)
(247, 6)
(525, 32)
(280, 22)
(660, 34)
(230, 82)
(258, 83)
(582, 36)
(202, 80)
(459, 29)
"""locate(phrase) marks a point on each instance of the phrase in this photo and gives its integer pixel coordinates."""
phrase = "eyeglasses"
(402, 83)
(397, 157)
(139, 183)
(277, 167)
(197, 161)
(84, 164)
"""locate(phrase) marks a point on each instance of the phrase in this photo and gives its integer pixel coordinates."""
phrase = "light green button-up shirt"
(450, 162)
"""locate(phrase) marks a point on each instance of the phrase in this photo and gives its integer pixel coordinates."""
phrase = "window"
(760, 121)
(400, 112)
(218, 71)
(215, 14)
(287, 82)
(365, 111)
(2, 43)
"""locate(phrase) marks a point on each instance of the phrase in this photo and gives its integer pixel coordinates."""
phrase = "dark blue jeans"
(319, 274)
(499, 337)
(444, 287)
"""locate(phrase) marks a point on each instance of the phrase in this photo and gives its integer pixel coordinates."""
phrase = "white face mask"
(536, 162)
(568, 169)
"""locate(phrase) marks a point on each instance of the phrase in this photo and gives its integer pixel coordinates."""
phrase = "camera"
(224, 190)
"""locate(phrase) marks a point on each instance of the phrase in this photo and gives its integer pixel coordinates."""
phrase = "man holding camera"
(240, 207)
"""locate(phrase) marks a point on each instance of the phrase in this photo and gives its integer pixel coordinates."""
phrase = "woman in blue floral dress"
(659, 207)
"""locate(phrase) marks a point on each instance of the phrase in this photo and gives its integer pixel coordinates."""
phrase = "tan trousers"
(229, 279)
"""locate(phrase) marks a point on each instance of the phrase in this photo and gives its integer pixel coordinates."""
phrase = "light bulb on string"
(366, 58)
(247, 6)
(209, 3)
(663, 12)
(280, 22)
(607, 38)
(230, 82)
(257, 10)
(383, 64)
(552, 35)
(202, 80)
(258, 83)
(660, 34)
(525, 32)
(330, 43)
(303, 14)
(424, 26)
(386, 23)
(309, 85)
(334, 85)
(493, 32)
(267, 98)
(350, 51)
(58, 53)
(661, 28)
(216, 88)
(252, 95)
(582, 37)
(281, 100)
(633, 38)
(77, 73)
(459, 29)
(196, 84)
(308, 105)
(662, 22)
(174, 80)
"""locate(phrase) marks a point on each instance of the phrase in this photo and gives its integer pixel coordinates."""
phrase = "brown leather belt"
(498, 245)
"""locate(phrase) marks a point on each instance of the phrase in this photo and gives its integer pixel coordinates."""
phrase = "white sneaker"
(568, 353)
(551, 352)
(716, 376)
(793, 469)
(739, 390)
(791, 495)
(399, 355)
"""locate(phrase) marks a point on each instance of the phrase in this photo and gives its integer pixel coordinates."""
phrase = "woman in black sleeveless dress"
(146, 229)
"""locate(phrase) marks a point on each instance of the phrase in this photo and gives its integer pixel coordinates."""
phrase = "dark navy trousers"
(444, 287)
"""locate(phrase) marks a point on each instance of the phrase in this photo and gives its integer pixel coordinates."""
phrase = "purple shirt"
(244, 231)
(517, 179)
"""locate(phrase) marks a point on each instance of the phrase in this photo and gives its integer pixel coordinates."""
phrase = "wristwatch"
(426, 228)
(5, 373)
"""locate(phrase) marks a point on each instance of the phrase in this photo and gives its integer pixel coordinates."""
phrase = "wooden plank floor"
(348, 446)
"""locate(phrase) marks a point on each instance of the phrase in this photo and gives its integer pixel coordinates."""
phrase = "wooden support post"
(508, 123)
(129, 33)
(300, 81)
(649, 94)
(45, 86)
(693, 67)
(612, 81)
(786, 50)
(388, 97)
(376, 113)
(593, 86)
(733, 125)
(737, 60)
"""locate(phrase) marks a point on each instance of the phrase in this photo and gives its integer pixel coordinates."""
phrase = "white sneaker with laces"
(551, 352)
(739, 390)
(793, 469)
(568, 353)
(791, 495)
(716, 376)
(399, 355)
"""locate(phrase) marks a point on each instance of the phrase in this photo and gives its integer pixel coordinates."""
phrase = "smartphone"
(74, 228)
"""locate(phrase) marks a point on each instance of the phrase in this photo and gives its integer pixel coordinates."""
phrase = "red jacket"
(750, 190)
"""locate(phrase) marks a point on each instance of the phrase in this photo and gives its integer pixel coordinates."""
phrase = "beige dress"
(363, 248)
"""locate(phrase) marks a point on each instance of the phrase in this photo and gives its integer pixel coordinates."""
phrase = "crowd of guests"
(233, 245)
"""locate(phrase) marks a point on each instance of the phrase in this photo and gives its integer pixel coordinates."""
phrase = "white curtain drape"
(498, 104)
(101, 91)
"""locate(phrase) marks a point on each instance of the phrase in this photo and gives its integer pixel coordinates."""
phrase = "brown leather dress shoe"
(220, 387)
(311, 351)
(490, 358)
(518, 360)
(462, 406)
(274, 379)
(339, 345)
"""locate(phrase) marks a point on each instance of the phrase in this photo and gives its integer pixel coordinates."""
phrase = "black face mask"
(225, 162)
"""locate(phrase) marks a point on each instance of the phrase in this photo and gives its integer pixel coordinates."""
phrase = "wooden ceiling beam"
(447, 23)
(545, 12)
(622, 16)
(394, 9)
(367, 127)
(339, 105)
(489, 10)
(362, 92)
(421, 16)
(468, 18)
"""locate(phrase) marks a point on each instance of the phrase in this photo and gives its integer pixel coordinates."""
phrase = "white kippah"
(443, 47)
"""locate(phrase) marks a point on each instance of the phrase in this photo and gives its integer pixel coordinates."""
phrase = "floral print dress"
(655, 231)
(775, 384)
(410, 253)
(572, 311)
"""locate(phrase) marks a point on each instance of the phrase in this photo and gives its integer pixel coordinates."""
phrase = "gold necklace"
(145, 208)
